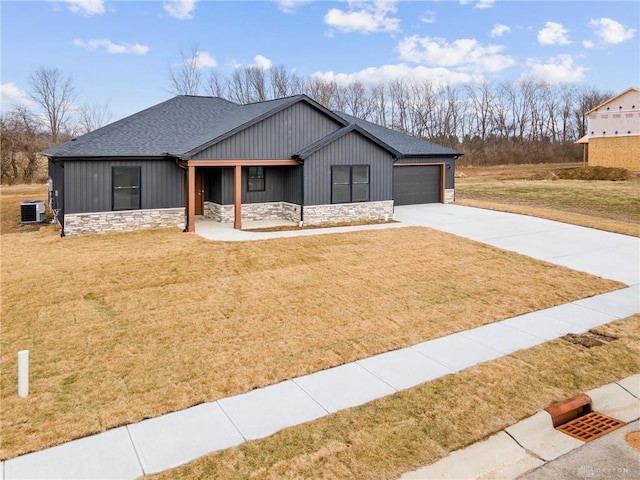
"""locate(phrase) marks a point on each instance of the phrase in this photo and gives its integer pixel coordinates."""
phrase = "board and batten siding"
(351, 149)
(449, 166)
(162, 184)
(56, 173)
(278, 136)
(281, 184)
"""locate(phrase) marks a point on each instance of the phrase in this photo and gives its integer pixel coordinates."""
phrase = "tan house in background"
(613, 132)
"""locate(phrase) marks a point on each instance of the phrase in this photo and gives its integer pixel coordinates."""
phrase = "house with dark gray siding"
(289, 158)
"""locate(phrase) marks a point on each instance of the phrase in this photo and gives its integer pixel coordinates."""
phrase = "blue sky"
(120, 52)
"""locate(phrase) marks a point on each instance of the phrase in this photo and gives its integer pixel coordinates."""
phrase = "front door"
(199, 192)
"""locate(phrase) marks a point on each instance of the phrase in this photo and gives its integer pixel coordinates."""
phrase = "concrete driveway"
(605, 254)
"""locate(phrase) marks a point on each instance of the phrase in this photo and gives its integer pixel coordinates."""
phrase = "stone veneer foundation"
(122, 221)
(347, 212)
(253, 212)
(313, 214)
(449, 195)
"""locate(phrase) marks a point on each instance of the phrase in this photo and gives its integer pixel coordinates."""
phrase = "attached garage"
(416, 184)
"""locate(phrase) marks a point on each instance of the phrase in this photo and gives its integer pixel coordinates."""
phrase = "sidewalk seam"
(327, 412)
(231, 420)
(133, 444)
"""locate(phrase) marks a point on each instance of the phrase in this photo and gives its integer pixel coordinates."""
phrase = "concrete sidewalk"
(170, 440)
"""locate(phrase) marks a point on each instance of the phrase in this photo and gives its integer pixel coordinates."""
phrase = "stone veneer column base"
(347, 212)
(449, 195)
(122, 221)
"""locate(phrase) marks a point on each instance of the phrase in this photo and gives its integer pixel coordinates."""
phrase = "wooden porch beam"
(237, 197)
(191, 199)
(279, 162)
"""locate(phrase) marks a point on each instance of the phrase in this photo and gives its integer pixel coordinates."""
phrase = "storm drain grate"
(590, 426)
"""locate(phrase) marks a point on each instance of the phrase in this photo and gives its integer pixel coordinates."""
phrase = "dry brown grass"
(122, 327)
(10, 199)
(605, 205)
(416, 427)
(599, 223)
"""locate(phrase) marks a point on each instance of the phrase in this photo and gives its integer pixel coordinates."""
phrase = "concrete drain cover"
(590, 426)
(633, 438)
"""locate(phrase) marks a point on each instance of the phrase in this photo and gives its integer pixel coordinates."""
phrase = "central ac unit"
(32, 211)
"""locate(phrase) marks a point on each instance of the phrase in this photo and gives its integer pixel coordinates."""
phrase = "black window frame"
(351, 183)
(250, 188)
(115, 188)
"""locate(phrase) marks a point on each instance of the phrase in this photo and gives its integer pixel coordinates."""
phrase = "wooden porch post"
(237, 197)
(191, 199)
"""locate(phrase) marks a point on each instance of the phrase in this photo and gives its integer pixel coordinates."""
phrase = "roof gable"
(259, 111)
(323, 142)
(614, 98)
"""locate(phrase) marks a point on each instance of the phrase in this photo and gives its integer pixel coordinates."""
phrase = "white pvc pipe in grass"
(23, 373)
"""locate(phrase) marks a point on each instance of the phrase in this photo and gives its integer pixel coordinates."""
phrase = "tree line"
(522, 121)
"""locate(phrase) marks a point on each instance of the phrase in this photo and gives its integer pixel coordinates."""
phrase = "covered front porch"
(225, 178)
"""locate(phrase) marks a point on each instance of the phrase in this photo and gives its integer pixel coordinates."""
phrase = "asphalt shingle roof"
(405, 144)
(185, 124)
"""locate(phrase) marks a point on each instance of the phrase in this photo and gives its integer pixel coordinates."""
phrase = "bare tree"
(20, 142)
(322, 91)
(284, 83)
(379, 107)
(55, 93)
(92, 117)
(588, 99)
(185, 77)
(355, 100)
(257, 81)
(400, 105)
(240, 87)
(216, 86)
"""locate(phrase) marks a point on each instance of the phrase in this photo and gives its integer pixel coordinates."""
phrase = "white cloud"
(553, 34)
(110, 47)
(365, 17)
(202, 60)
(556, 70)
(588, 44)
(262, 62)
(499, 30)
(86, 7)
(611, 31)
(388, 73)
(180, 9)
(428, 17)
(10, 94)
(463, 53)
(259, 61)
(485, 3)
(290, 6)
(479, 4)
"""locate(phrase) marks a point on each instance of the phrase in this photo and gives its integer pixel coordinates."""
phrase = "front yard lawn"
(123, 327)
